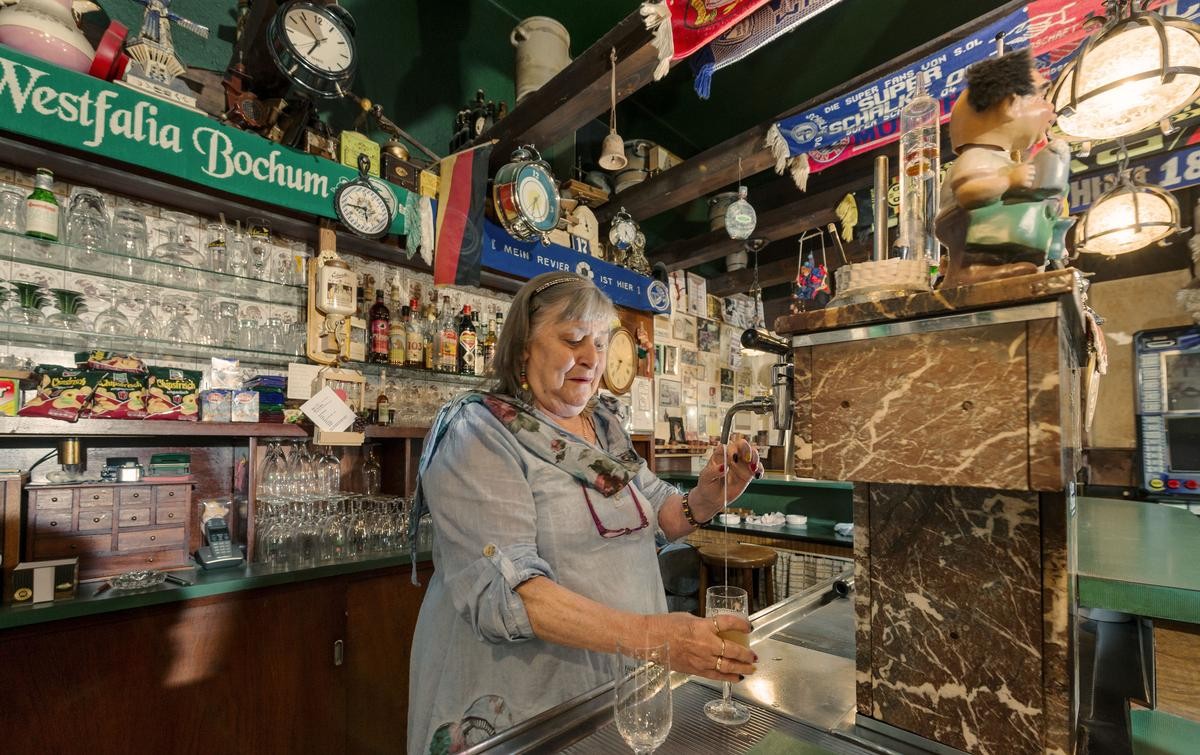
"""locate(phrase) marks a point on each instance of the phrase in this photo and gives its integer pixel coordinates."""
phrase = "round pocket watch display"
(525, 196)
(740, 217)
(621, 368)
(313, 47)
(360, 205)
(623, 231)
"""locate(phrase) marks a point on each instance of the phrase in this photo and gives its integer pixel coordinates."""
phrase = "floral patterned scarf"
(603, 472)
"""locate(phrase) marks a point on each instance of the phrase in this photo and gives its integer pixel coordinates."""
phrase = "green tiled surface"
(1157, 733)
(251, 577)
(1139, 557)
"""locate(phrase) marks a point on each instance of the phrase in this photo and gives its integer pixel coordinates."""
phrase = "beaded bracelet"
(687, 512)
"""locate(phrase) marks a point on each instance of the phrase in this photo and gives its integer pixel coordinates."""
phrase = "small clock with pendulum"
(361, 206)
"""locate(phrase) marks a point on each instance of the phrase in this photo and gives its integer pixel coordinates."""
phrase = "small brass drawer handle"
(96, 497)
(154, 537)
(54, 499)
(133, 518)
(171, 494)
(96, 519)
(53, 524)
(171, 515)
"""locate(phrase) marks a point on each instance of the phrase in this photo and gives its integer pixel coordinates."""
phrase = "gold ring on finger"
(719, 659)
(722, 647)
(716, 627)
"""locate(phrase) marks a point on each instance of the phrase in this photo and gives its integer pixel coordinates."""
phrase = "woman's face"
(563, 364)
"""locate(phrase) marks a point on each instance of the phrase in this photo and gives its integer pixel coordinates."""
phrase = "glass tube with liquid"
(920, 162)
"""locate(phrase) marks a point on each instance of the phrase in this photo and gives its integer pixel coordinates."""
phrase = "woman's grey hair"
(555, 296)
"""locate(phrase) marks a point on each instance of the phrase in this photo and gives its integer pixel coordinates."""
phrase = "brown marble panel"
(1072, 357)
(1045, 413)
(862, 599)
(1057, 728)
(936, 409)
(956, 630)
(802, 415)
(1004, 292)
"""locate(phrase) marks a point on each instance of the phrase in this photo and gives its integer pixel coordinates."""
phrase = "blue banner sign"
(1171, 171)
(526, 259)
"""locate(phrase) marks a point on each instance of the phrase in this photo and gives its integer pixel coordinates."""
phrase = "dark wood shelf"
(41, 426)
(395, 431)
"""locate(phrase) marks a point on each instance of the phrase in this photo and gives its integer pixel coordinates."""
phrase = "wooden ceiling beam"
(788, 220)
(781, 270)
(578, 93)
(717, 166)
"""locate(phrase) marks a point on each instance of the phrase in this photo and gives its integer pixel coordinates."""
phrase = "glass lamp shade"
(1129, 217)
(1129, 77)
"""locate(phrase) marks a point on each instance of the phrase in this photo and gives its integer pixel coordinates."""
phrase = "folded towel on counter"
(845, 529)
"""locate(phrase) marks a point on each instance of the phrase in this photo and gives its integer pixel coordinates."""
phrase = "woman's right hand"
(695, 645)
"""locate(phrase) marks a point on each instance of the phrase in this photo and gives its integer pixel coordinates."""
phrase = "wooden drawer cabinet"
(91, 520)
(53, 499)
(143, 495)
(157, 538)
(112, 528)
(95, 497)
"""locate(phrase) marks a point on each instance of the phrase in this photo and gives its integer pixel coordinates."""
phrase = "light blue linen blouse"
(501, 516)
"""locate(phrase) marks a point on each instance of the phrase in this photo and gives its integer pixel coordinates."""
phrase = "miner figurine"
(1002, 213)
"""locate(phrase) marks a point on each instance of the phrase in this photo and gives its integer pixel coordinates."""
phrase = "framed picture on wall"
(670, 395)
(727, 394)
(662, 327)
(726, 376)
(708, 336)
(642, 405)
(666, 359)
(688, 355)
(683, 328)
(677, 436)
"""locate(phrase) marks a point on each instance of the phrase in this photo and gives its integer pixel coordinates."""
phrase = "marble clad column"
(962, 443)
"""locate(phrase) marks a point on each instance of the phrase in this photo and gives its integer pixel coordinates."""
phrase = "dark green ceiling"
(424, 59)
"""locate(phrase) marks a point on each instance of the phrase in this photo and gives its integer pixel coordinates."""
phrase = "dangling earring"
(524, 380)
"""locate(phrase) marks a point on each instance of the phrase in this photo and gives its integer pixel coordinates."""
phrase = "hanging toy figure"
(812, 285)
(1001, 209)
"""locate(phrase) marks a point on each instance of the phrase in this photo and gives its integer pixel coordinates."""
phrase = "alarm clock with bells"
(623, 231)
(313, 47)
(362, 206)
(621, 368)
(525, 196)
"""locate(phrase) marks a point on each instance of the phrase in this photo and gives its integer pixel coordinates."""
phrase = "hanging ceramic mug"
(543, 49)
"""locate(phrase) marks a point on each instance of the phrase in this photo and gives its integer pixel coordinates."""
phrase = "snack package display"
(173, 394)
(214, 405)
(108, 361)
(244, 407)
(119, 395)
(10, 397)
(62, 393)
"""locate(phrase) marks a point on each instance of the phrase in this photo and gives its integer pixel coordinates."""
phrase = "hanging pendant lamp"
(1128, 217)
(1138, 70)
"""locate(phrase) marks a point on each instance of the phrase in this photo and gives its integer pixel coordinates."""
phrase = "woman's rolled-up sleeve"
(653, 489)
(485, 522)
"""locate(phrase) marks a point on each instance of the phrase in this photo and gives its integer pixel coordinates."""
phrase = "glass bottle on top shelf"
(429, 337)
(372, 473)
(447, 344)
(41, 208)
(480, 335)
(414, 347)
(467, 343)
(383, 402)
(489, 343)
(398, 339)
(380, 323)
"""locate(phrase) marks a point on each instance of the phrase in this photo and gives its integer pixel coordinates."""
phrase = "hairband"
(548, 284)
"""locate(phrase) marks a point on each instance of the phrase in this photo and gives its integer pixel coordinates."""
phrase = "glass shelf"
(143, 272)
(413, 373)
(46, 337)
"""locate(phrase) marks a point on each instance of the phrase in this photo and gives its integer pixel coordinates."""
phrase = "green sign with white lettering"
(51, 104)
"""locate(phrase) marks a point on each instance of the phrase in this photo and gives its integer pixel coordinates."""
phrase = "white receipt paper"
(328, 411)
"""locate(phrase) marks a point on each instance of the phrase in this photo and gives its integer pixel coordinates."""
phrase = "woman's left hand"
(724, 474)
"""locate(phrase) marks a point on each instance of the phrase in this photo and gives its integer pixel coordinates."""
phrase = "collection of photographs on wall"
(699, 368)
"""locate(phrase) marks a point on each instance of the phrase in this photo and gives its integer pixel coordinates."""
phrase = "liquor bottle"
(414, 345)
(398, 339)
(41, 208)
(447, 339)
(380, 323)
(468, 343)
(358, 328)
(383, 404)
(489, 344)
(429, 337)
(481, 333)
(372, 473)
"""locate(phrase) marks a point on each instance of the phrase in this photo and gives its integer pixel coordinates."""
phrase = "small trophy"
(154, 68)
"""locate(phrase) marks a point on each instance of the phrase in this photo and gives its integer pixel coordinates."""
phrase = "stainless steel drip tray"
(692, 732)
(824, 629)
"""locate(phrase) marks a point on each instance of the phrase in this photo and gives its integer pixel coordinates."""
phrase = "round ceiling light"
(1134, 73)
(1130, 216)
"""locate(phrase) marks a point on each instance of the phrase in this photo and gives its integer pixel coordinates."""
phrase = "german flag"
(462, 189)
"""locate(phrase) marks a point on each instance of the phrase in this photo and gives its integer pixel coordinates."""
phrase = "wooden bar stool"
(750, 567)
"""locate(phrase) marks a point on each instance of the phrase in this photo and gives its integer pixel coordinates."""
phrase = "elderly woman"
(544, 524)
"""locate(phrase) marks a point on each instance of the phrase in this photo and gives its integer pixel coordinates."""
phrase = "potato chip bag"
(173, 394)
(108, 361)
(62, 393)
(119, 395)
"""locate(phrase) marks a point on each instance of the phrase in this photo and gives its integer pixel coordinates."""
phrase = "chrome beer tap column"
(779, 404)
